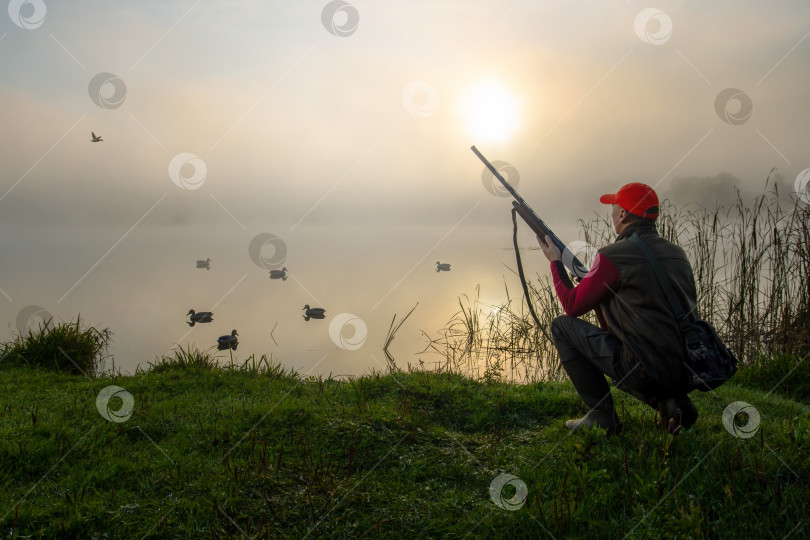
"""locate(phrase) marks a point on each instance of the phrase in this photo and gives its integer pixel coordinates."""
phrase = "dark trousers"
(588, 353)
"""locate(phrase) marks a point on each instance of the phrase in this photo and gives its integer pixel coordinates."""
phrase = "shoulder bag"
(709, 362)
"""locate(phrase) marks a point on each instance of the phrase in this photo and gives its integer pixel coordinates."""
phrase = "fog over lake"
(344, 131)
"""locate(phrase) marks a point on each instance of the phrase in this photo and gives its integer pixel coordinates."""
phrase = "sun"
(491, 112)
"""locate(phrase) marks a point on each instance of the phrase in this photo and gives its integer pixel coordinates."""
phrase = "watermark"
(27, 14)
(653, 26)
(801, 185)
(516, 501)
(420, 98)
(107, 90)
(493, 185)
(258, 249)
(735, 414)
(359, 331)
(730, 114)
(121, 414)
(32, 319)
(183, 177)
(585, 252)
(340, 18)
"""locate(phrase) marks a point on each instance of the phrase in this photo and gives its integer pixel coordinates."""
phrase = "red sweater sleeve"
(601, 280)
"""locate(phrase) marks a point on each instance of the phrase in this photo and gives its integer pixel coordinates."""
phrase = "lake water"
(142, 286)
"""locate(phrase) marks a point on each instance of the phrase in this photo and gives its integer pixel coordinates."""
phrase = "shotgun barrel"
(574, 266)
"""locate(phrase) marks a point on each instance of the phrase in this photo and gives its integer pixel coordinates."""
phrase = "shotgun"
(572, 264)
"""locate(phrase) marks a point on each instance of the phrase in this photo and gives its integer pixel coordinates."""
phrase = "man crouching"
(639, 344)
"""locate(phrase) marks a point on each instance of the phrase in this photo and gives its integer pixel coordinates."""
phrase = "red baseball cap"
(638, 199)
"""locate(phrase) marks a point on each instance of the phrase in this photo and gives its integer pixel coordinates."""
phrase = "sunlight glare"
(491, 112)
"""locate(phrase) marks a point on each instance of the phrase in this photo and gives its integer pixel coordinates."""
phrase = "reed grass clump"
(184, 359)
(499, 342)
(68, 347)
(192, 359)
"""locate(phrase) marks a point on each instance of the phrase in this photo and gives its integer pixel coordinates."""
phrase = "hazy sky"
(343, 130)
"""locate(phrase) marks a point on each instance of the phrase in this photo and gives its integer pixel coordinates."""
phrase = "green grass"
(66, 346)
(257, 451)
(790, 374)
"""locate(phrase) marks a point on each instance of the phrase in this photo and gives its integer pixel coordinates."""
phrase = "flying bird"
(96, 138)
(201, 317)
(228, 342)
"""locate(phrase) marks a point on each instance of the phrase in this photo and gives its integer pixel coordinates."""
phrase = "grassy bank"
(259, 452)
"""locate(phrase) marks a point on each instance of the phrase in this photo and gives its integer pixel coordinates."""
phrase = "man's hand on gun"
(550, 250)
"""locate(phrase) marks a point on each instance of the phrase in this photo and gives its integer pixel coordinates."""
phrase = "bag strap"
(677, 308)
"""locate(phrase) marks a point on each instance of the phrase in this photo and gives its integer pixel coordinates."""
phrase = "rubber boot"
(593, 388)
(601, 419)
(678, 413)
